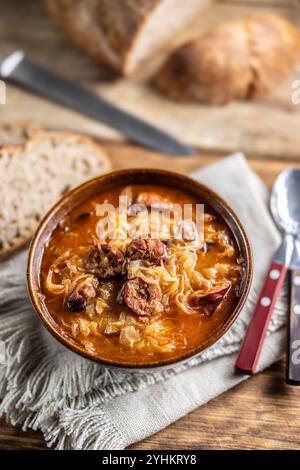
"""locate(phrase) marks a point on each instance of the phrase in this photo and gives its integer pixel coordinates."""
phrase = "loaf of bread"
(127, 35)
(35, 173)
(237, 60)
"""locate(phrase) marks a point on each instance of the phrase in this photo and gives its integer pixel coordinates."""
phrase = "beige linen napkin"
(81, 405)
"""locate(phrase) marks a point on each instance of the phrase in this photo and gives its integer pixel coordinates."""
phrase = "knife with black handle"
(22, 71)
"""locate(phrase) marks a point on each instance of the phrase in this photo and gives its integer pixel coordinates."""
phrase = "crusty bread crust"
(238, 60)
(105, 30)
(33, 176)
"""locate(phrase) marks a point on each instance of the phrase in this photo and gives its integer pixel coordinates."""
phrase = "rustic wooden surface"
(262, 412)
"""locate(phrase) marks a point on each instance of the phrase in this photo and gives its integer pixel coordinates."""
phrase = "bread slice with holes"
(35, 174)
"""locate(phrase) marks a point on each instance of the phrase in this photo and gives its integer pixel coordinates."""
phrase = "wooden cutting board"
(269, 127)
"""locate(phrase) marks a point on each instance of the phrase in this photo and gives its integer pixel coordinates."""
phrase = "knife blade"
(24, 72)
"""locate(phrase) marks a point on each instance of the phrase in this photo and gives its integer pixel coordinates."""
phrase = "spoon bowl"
(285, 201)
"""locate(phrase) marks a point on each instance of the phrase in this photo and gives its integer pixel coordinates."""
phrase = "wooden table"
(262, 412)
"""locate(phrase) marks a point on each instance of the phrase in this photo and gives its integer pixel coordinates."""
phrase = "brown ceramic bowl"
(125, 177)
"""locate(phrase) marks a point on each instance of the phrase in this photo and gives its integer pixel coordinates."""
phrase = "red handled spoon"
(285, 199)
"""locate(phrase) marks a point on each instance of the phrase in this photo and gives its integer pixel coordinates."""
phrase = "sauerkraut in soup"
(145, 298)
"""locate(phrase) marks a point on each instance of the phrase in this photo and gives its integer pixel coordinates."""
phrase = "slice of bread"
(35, 174)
